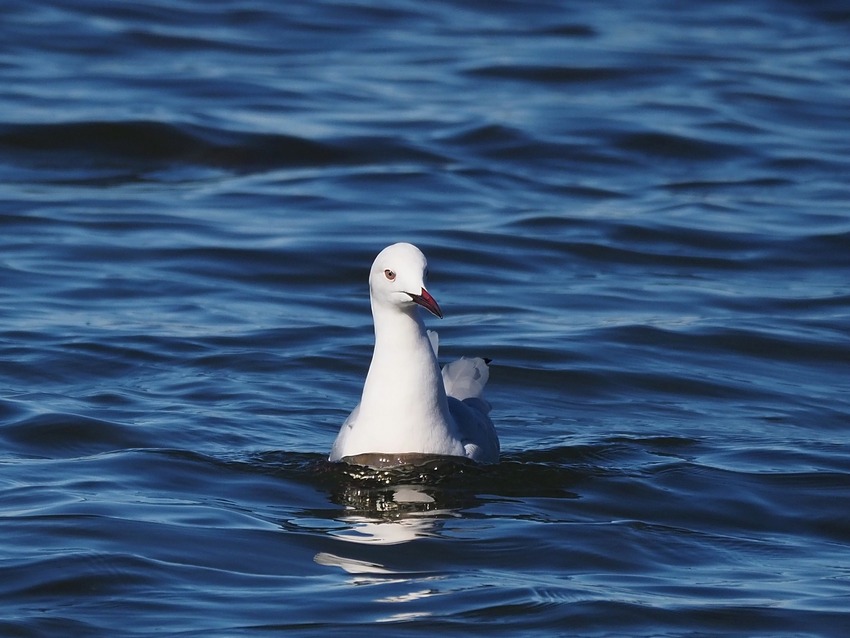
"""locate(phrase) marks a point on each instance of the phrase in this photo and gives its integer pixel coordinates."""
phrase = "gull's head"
(398, 279)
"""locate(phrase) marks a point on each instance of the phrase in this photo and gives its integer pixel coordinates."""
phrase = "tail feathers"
(466, 378)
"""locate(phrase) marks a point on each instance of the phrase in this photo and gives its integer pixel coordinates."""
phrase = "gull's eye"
(389, 274)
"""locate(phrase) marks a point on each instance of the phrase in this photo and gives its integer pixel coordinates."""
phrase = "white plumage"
(409, 407)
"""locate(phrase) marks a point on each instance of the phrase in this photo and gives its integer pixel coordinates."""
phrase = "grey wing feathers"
(466, 378)
(477, 432)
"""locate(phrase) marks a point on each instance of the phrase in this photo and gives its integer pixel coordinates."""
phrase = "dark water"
(640, 211)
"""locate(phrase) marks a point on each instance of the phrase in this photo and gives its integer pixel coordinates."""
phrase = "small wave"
(57, 434)
(150, 141)
(556, 74)
(676, 147)
(152, 144)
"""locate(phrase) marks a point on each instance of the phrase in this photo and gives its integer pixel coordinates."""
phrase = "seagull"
(409, 407)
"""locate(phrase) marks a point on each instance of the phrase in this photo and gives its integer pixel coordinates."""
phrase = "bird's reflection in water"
(390, 512)
(400, 498)
(392, 515)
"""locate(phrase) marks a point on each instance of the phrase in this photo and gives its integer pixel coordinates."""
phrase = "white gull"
(408, 406)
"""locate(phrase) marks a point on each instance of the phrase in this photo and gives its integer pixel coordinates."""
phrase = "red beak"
(428, 302)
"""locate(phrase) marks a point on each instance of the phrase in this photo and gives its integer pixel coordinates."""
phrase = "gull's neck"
(403, 362)
(404, 389)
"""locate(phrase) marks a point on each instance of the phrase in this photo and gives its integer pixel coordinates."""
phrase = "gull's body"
(408, 406)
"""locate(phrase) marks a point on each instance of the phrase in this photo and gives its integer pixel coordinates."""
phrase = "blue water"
(639, 211)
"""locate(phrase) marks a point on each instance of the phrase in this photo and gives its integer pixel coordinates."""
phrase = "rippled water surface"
(639, 211)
